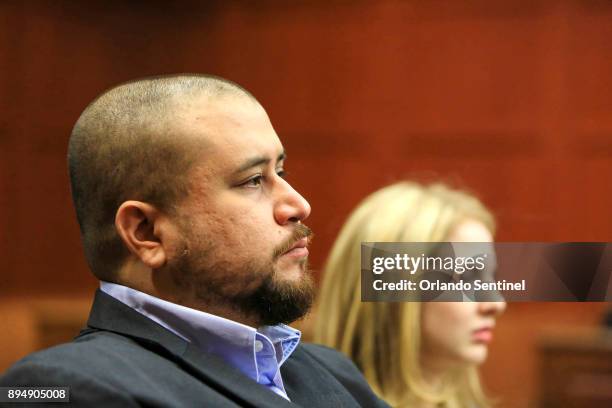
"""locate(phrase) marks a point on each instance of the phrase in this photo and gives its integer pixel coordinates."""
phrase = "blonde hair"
(384, 338)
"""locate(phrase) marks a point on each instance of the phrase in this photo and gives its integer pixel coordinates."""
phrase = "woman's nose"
(494, 308)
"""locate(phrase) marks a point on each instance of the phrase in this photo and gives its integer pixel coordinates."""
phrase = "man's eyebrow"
(258, 161)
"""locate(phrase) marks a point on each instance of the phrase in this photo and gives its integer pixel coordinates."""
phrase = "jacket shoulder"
(67, 365)
(80, 354)
(330, 358)
(98, 368)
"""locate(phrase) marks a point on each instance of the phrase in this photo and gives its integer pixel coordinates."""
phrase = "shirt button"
(258, 346)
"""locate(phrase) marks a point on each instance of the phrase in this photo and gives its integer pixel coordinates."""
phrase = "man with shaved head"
(201, 251)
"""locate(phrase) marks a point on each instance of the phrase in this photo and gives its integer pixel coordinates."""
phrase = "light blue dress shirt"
(258, 353)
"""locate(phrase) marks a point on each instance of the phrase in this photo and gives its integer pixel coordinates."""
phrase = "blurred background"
(509, 99)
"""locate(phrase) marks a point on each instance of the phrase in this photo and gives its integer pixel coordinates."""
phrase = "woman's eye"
(281, 173)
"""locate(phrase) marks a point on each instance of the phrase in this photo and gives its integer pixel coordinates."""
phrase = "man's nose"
(290, 206)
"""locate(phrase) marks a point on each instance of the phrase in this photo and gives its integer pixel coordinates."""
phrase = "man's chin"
(287, 297)
(294, 273)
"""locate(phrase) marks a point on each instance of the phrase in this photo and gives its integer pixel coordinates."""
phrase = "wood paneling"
(576, 369)
(509, 99)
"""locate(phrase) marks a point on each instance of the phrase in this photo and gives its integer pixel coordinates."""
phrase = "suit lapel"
(109, 314)
(306, 385)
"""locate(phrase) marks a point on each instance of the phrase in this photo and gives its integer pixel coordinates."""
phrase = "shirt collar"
(234, 342)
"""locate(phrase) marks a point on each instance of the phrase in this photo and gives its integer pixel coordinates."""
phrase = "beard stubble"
(255, 290)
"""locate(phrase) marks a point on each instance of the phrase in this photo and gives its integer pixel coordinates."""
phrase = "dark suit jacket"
(124, 359)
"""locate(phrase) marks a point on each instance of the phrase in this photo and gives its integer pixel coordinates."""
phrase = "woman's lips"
(484, 335)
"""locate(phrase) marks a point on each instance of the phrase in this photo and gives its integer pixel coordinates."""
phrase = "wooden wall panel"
(510, 99)
(512, 371)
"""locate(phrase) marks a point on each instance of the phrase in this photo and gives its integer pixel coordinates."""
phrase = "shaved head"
(128, 144)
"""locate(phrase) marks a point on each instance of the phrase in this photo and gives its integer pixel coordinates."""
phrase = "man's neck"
(215, 308)
(163, 287)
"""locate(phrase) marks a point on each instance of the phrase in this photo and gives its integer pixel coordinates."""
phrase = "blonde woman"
(414, 354)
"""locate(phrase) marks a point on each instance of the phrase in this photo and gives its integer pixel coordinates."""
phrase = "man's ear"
(141, 227)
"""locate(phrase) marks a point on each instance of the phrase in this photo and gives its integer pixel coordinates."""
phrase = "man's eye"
(253, 182)
(257, 180)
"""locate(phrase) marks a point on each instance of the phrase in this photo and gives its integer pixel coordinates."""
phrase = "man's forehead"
(218, 111)
(234, 131)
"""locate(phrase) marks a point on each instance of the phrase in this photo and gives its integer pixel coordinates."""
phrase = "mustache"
(300, 231)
